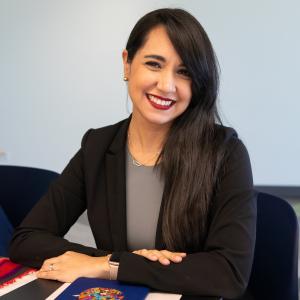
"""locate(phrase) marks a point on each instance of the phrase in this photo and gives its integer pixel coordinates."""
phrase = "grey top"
(144, 189)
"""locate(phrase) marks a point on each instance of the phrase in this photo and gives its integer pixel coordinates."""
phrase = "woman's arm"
(72, 265)
(40, 235)
(223, 268)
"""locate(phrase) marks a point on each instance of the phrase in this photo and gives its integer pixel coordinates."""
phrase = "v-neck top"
(144, 189)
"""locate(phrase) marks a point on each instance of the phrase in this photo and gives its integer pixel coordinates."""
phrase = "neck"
(145, 137)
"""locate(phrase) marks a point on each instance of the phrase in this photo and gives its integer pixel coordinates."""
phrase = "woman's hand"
(165, 257)
(72, 265)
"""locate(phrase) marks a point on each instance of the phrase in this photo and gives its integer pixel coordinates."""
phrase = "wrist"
(114, 262)
(101, 267)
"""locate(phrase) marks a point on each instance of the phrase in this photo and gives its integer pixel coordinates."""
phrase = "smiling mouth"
(160, 102)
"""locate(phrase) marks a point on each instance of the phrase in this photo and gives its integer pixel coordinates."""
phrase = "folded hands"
(72, 265)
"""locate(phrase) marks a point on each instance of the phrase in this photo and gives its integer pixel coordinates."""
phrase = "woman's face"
(158, 83)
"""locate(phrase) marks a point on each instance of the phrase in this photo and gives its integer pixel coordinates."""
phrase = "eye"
(184, 72)
(153, 64)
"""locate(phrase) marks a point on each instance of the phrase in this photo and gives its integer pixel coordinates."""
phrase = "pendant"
(136, 163)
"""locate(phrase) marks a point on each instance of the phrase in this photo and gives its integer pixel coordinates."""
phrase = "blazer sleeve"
(223, 267)
(40, 235)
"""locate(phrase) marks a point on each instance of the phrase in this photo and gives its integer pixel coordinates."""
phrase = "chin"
(160, 120)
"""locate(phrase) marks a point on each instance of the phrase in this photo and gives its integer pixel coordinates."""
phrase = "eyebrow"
(160, 58)
(155, 56)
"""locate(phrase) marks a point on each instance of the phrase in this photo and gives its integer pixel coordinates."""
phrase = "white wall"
(61, 73)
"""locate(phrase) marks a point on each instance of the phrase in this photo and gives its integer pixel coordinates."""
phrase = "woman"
(168, 191)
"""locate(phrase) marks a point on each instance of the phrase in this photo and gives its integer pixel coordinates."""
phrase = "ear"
(126, 64)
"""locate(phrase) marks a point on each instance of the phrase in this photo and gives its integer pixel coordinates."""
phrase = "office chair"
(20, 189)
(6, 231)
(275, 268)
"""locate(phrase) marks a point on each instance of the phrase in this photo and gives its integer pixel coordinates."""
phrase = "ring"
(51, 267)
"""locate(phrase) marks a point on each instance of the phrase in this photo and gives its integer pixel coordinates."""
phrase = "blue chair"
(6, 230)
(275, 269)
(20, 189)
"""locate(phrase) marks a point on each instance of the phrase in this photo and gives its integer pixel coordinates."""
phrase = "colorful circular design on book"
(99, 293)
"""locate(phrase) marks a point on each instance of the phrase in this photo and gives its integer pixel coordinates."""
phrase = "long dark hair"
(193, 150)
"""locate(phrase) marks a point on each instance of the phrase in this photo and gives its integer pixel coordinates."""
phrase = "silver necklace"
(135, 162)
(139, 164)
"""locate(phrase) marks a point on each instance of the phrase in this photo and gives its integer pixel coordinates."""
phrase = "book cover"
(101, 289)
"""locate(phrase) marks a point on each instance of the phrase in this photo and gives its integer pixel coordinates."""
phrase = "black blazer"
(95, 180)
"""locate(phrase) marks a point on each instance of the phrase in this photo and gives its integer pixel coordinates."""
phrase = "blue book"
(92, 288)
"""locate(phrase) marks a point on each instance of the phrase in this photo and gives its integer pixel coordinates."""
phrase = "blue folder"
(132, 292)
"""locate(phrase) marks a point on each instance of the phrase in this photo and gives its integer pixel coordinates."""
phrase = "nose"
(166, 82)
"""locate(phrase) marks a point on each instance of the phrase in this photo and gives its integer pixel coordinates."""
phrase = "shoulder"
(104, 135)
(236, 160)
(229, 136)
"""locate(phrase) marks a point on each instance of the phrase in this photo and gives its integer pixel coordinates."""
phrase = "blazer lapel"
(116, 188)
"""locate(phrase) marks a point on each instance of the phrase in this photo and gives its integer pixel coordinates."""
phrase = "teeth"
(159, 101)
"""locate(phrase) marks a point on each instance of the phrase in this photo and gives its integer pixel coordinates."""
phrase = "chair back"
(275, 268)
(21, 188)
(6, 231)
